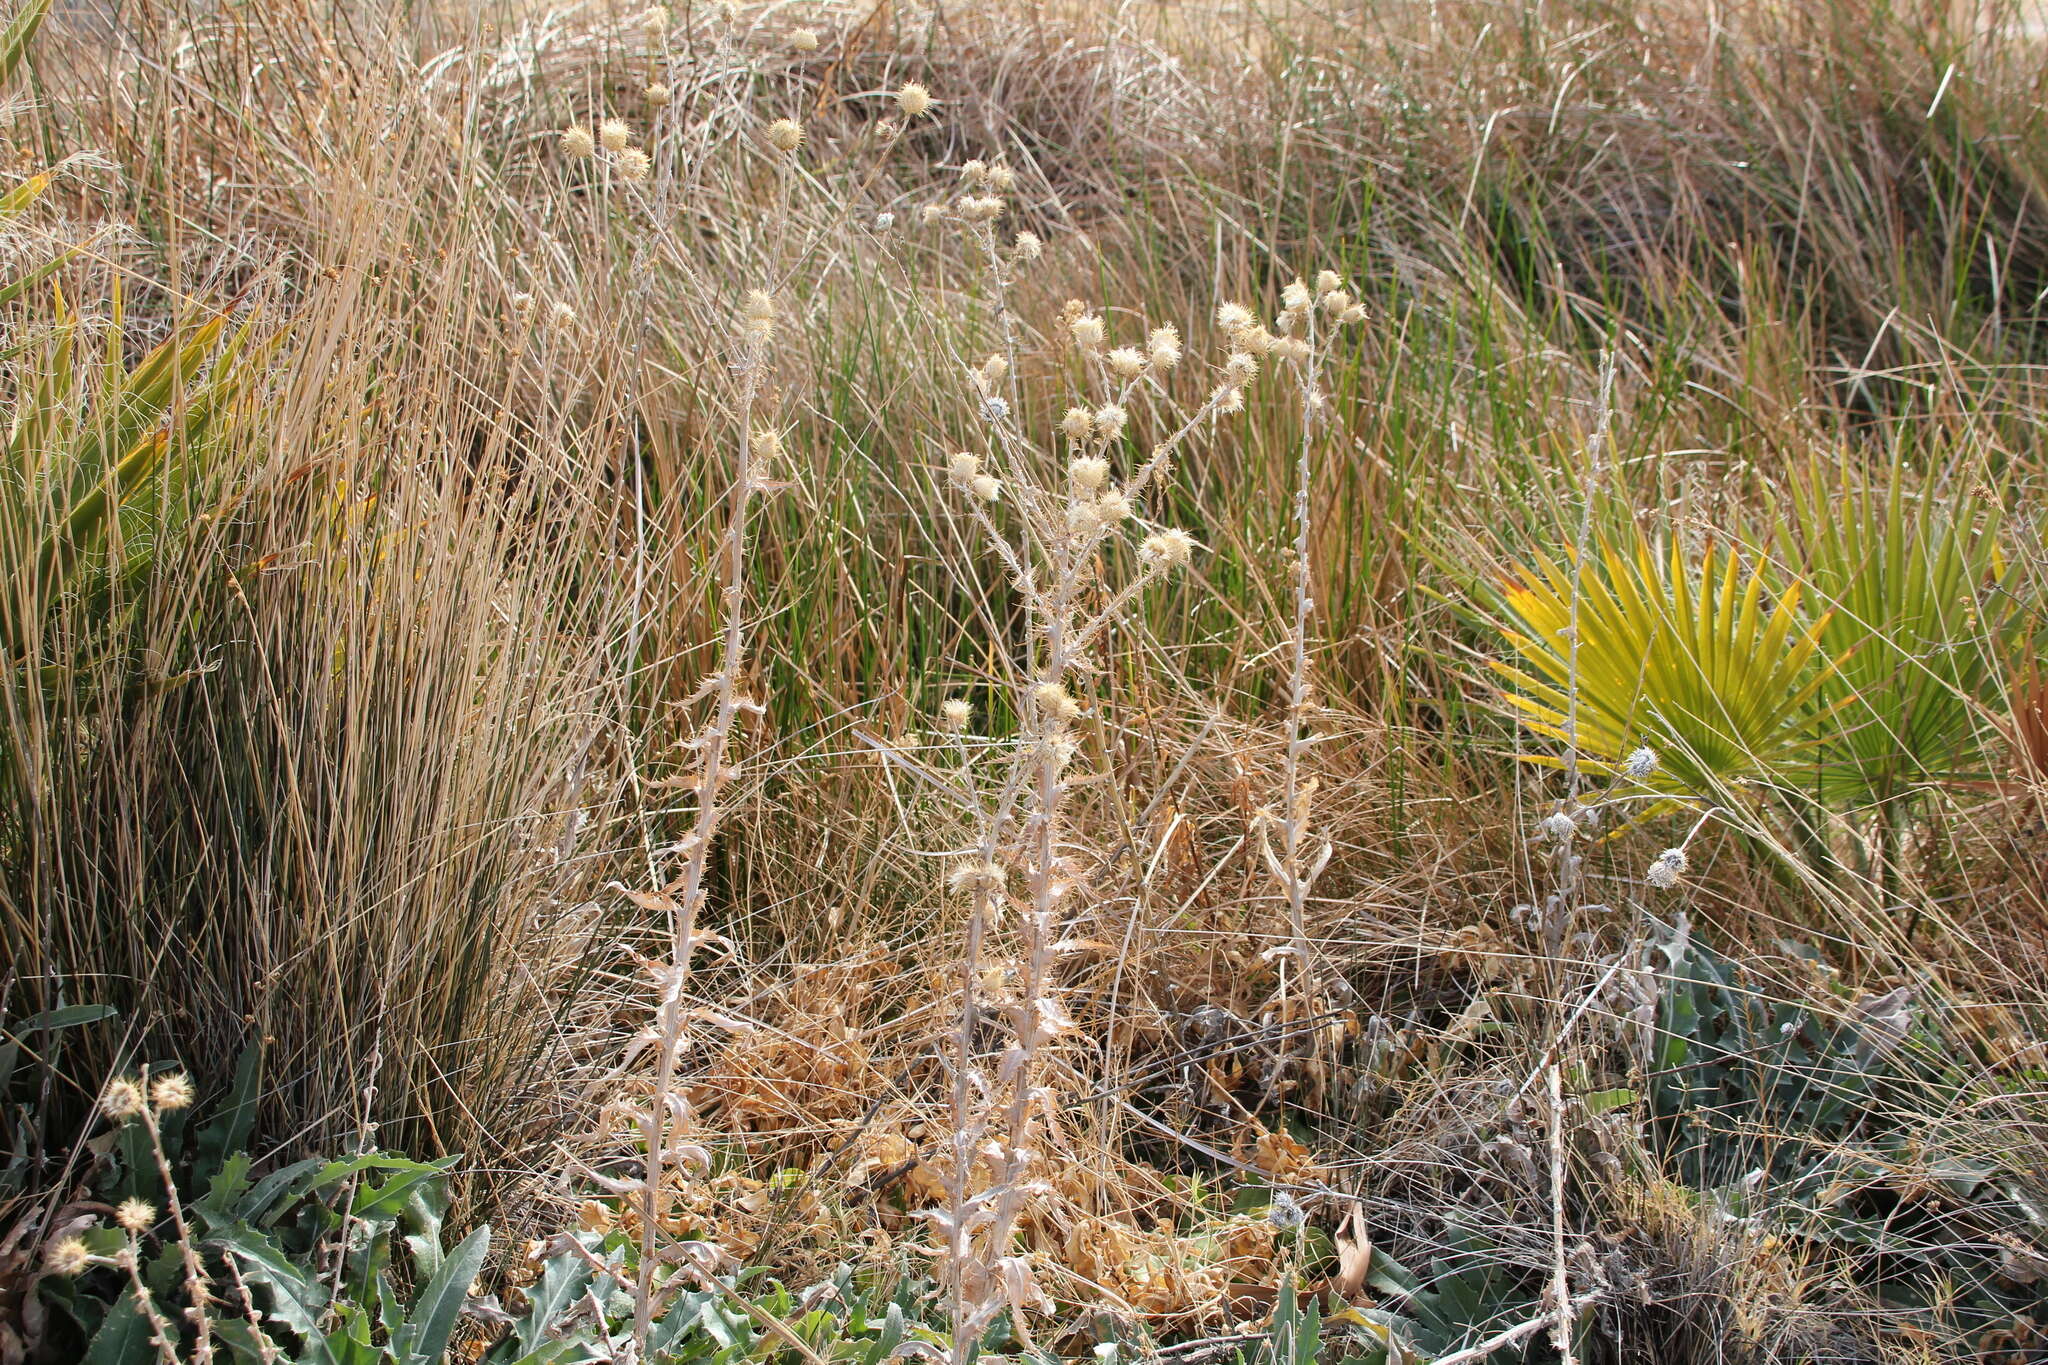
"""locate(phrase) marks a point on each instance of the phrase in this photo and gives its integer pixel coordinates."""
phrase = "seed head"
(634, 165)
(954, 713)
(655, 19)
(1239, 367)
(1164, 347)
(931, 213)
(1109, 422)
(1083, 518)
(1295, 296)
(562, 315)
(135, 1215)
(1126, 362)
(975, 172)
(1329, 282)
(123, 1100)
(522, 304)
(1336, 301)
(1668, 869)
(1291, 348)
(1029, 246)
(1355, 313)
(913, 99)
(614, 134)
(658, 93)
(963, 468)
(578, 142)
(1640, 764)
(986, 487)
(1002, 179)
(1086, 473)
(992, 371)
(1227, 398)
(1079, 425)
(1113, 506)
(1052, 700)
(1558, 827)
(804, 40)
(785, 135)
(975, 875)
(171, 1092)
(1170, 548)
(1088, 332)
(767, 444)
(884, 221)
(758, 306)
(1234, 317)
(68, 1257)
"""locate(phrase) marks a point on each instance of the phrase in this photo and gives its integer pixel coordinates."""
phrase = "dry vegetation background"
(364, 717)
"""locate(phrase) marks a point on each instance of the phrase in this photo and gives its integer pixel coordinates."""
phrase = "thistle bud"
(172, 1092)
(522, 304)
(1170, 548)
(1164, 347)
(634, 165)
(913, 99)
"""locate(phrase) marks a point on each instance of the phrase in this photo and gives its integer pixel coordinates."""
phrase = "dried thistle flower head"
(68, 1257)
(578, 142)
(931, 213)
(1336, 301)
(655, 19)
(562, 315)
(986, 487)
(1113, 507)
(522, 304)
(1002, 179)
(1295, 296)
(123, 1100)
(1641, 762)
(767, 444)
(1164, 347)
(1355, 313)
(1079, 425)
(1052, 700)
(1227, 398)
(172, 1092)
(975, 875)
(1088, 331)
(1291, 348)
(1087, 473)
(963, 468)
(913, 99)
(634, 165)
(785, 135)
(1329, 282)
(1029, 246)
(1239, 367)
(984, 208)
(1126, 362)
(614, 134)
(135, 1215)
(1109, 422)
(992, 371)
(954, 713)
(804, 40)
(1558, 826)
(1234, 317)
(975, 172)
(758, 306)
(1668, 870)
(1170, 548)
(657, 93)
